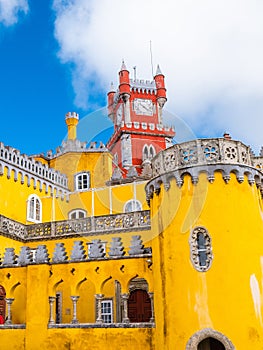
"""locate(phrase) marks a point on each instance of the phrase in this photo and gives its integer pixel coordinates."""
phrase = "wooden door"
(139, 306)
(2, 302)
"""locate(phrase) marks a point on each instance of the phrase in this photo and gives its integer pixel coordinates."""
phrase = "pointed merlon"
(123, 66)
(158, 70)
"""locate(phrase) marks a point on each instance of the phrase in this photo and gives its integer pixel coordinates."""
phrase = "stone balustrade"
(205, 155)
(134, 221)
(201, 152)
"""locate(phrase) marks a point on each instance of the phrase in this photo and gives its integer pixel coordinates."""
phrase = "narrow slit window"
(201, 249)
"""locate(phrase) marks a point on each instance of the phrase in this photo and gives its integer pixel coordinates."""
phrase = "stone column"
(125, 318)
(152, 319)
(74, 300)
(161, 101)
(9, 302)
(51, 304)
(99, 298)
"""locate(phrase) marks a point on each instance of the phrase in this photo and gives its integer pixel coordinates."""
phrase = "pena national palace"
(138, 243)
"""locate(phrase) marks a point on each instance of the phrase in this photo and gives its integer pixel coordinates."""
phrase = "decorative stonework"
(60, 254)
(96, 249)
(133, 221)
(42, 254)
(201, 249)
(25, 256)
(205, 156)
(27, 167)
(208, 333)
(9, 257)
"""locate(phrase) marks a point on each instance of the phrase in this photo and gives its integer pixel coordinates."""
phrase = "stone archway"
(198, 337)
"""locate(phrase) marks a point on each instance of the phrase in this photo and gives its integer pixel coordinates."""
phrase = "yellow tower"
(206, 209)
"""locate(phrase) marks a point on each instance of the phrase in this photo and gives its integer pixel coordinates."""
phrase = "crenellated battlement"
(27, 167)
(205, 155)
(143, 86)
(95, 249)
(72, 115)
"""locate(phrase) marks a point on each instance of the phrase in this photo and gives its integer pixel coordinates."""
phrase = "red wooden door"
(2, 302)
(139, 306)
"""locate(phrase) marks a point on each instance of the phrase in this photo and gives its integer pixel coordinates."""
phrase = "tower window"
(151, 152)
(82, 181)
(201, 249)
(34, 209)
(148, 152)
(132, 205)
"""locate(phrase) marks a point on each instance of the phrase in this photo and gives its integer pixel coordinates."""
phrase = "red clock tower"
(136, 111)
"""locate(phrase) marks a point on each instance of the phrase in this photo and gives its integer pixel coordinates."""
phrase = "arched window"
(77, 214)
(145, 154)
(82, 181)
(148, 152)
(151, 152)
(201, 249)
(132, 205)
(34, 209)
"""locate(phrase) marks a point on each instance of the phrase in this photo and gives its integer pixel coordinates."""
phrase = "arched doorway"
(210, 344)
(2, 303)
(139, 306)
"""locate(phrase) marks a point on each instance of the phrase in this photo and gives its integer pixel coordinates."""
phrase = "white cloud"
(210, 51)
(10, 10)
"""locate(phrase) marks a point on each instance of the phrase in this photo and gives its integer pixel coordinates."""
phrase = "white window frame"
(77, 212)
(135, 206)
(107, 317)
(79, 178)
(34, 209)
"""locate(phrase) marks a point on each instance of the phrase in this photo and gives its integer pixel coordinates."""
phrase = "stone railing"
(201, 152)
(204, 155)
(133, 221)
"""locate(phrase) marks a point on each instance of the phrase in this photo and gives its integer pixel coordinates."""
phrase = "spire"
(123, 66)
(158, 70)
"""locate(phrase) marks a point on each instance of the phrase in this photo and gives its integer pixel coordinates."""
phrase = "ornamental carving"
(230, 153)
(169, 161)
(87, 226)
(188, 155)
(211, 152)
(201, 249)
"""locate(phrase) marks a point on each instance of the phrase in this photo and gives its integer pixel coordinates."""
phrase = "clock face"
(143, 107)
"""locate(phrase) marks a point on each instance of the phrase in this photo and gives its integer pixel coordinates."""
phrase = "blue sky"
(61, 55)
(36, 89)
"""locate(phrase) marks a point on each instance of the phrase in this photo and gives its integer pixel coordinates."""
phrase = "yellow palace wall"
(226, 298)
